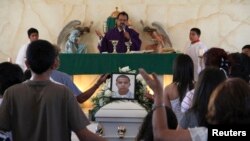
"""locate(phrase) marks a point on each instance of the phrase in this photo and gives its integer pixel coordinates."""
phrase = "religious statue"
(160, 38)
(69, 38)
(73, 45)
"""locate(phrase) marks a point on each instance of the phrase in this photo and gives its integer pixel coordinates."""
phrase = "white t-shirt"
(187, 101)
(194, 51)
(128, 95)
(21, 56)
(198, 133)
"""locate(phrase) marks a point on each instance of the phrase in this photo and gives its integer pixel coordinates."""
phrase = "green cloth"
(109, 63)
(110, 23)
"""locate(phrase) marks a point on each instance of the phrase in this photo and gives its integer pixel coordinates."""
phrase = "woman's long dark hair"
(208, 80)
(183, 74)
(146, 131)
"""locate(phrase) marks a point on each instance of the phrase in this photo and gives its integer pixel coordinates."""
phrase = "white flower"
(139, 77)
(132, 71)
(101, 102)
(143, 82)
(124, 69)
(99, 94)
(108, 93)
(106, 85)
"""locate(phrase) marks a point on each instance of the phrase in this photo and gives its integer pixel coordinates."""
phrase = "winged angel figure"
(162, 42)
(68, 39)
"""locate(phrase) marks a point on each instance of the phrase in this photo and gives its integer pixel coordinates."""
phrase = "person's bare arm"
(166, 97)
(159, 121)
(88, 93)
(86, 135)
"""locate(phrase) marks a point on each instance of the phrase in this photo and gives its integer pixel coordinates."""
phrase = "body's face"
(193, 36)
(123, 85)
(33, 37)
(246, 51)
(122, 20)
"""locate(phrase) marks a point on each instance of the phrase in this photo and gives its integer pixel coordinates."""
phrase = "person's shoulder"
(112, 30)
(201, 44)
(56, 72)
(171, 86)
(60, 76)
(133, 30)
(60, 87)
(25, 46)
(16, 88)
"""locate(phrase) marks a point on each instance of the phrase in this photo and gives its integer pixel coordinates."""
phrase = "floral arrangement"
(104, 95)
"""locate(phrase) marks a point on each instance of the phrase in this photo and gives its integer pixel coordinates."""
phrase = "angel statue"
(160, 38)
(69, 38)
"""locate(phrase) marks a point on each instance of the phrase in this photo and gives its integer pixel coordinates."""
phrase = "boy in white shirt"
(196, 50)
(33, 35)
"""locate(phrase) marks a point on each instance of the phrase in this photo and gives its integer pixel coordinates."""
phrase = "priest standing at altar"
(128, 39)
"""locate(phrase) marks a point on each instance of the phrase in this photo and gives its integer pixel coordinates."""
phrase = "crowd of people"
(210, 87)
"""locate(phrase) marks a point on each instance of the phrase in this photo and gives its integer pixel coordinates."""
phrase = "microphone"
(124, 27)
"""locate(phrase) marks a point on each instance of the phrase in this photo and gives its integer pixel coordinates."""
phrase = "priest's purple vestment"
(116, 34)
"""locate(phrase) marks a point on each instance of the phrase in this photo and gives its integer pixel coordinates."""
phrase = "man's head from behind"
(246, 50)
(33, 34)
(41, 56)
(123, 84)
(10, 74)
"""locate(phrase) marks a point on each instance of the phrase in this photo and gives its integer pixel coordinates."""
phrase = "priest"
(128, 39)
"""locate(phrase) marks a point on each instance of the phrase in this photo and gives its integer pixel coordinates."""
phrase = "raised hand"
(153, 82)
(126, 35)
(102, 79)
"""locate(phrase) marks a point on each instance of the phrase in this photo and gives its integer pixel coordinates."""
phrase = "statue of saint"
(73, 45)
(161, 41)
(69, 38)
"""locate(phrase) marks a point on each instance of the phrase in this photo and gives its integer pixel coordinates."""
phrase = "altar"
(85, 68)
(92, 64)
(75, 64)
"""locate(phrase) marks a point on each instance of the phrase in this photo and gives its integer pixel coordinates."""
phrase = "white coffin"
(120, 113)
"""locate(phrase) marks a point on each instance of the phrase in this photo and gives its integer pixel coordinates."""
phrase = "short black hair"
(246, 47)
(41, 55)
(196, 30)
(239, 64)
(10, 74)
(32, 30)
(122, 13)
(123, 76)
